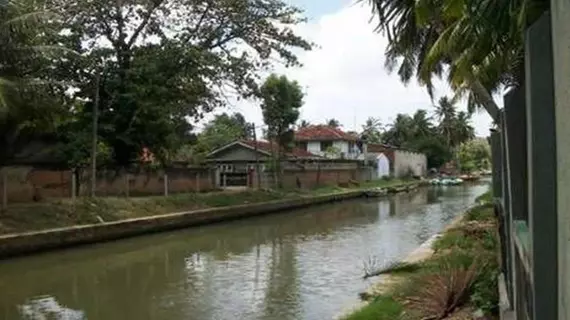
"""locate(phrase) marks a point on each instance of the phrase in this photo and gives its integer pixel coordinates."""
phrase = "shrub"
(439, 293)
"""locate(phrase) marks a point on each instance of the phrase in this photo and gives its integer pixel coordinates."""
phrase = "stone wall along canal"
(305, 264)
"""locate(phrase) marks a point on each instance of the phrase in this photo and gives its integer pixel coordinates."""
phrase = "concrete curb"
(37, 241)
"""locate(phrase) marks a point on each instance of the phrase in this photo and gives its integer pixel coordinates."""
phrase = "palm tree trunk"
(485, 98)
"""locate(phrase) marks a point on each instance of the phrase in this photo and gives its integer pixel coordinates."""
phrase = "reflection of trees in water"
(282, 283)
(404, 203)
(47, 307)
(134, 279)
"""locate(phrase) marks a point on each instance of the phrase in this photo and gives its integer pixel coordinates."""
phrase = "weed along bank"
(268, 266)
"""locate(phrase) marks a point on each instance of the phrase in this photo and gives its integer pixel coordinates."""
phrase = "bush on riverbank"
(56, 213)
(461, 276)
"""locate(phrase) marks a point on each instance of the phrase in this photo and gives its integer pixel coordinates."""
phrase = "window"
(351, 147)
(302, 145)
(325, 145)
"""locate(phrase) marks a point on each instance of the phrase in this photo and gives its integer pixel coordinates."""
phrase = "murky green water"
(305, 264)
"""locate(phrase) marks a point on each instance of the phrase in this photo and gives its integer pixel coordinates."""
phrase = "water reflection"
(296, 265)
(47, 307)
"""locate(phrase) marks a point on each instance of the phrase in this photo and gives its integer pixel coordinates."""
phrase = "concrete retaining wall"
(19, 244)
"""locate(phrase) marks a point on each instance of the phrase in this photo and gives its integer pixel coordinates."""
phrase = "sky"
(344, 77)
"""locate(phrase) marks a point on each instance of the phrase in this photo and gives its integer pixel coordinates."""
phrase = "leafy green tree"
(435, 149)
(475, 155)
(281, 101)
(162, 61)
(223, 129)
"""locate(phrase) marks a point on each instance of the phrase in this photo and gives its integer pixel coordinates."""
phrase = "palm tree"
(480, 41)
(23, 47)
(421, 123)
(400, 132)
(304, 124)
(334, 123)
(372, 130)
(464, 131)
(445, 111)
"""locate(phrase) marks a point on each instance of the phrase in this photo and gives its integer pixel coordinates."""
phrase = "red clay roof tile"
(266, 146)
(323, 133)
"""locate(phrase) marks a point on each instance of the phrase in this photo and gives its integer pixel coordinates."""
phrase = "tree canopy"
(153, 65)
(437, 137)
(281, 101)
(477, 44)
(221, 130)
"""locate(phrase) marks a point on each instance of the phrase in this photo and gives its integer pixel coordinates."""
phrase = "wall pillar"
(561, 65)
(541, 135)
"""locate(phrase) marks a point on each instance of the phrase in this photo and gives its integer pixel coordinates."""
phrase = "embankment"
(453, 275)
(56, 238)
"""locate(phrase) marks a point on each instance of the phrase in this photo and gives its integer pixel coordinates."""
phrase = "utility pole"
(94, 146)
(257, 172)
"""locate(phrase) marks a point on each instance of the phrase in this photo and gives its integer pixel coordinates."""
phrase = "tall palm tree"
(401, 131)
(464, 131)
(480, 41)
(446, 113)
(304, 124)
(23, 46)
(421, 123)
(372, 130)
(334, 123)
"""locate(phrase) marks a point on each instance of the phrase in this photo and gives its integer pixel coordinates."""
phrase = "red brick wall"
(25, 182)
(312, 179)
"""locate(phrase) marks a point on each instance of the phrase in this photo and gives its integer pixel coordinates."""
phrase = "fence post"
(73, 184)
(198, 181)
(4, 190)
(127, 182)
(318, 174)
(165, 184)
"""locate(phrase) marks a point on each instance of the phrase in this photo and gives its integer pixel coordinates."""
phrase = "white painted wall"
(406, 161)
(342, 146)
(383, 166)
(314, 147)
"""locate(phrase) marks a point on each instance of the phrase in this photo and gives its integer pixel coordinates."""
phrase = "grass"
(462, 273)
(382, 308)
(55, 213)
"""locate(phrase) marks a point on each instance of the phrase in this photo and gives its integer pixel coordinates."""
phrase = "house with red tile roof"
(236, 161)
(329, 142)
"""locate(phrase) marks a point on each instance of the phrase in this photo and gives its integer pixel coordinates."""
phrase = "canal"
(306, 264)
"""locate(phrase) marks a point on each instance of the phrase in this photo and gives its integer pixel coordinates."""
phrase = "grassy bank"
(55, 213)
(457, 281)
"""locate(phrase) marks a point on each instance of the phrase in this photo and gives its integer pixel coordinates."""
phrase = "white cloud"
(345, 77)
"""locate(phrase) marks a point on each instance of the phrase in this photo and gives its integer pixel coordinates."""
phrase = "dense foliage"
(476, 44)
(475, 155)
(218, 132)
(148, 67)
(438, 137)
(281, 101)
